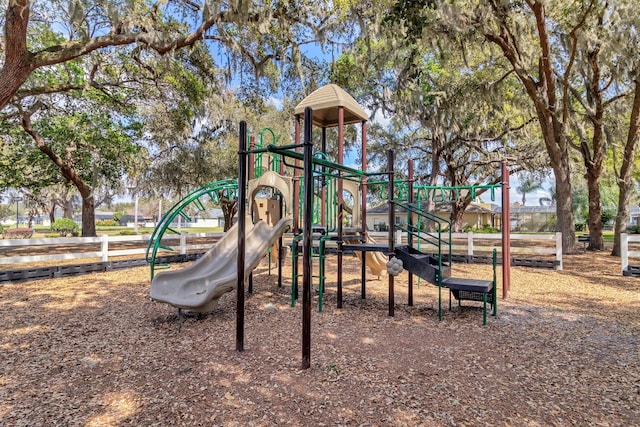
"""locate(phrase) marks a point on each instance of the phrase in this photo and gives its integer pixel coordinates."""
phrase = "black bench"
(585, 240)
(472, 290)
(475, 290)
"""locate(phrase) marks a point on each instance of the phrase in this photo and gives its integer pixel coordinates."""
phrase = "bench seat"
(472, 290)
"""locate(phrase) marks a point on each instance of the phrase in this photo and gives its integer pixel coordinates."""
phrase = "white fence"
(180, 242)
(625, 253)
(555, 248)
(177, 241)
(541, 244)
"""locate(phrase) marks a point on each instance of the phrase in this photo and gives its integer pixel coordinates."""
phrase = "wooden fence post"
(559, 250)
(105, 248)
(183, 243)
(624, 251)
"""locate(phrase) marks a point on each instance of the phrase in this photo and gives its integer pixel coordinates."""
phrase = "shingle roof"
(325, 102)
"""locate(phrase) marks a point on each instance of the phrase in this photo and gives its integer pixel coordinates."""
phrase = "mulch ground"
(94, 350)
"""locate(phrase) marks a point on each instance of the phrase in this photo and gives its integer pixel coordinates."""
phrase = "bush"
(127, 233)
(486, 228)
(633, 229)
(106, 223)
(580, 226)
(1, 228)
(65, 226)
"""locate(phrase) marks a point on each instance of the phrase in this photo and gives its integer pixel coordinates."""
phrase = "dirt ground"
(94, 350)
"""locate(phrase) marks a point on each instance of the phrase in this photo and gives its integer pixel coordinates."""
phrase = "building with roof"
(476, 215)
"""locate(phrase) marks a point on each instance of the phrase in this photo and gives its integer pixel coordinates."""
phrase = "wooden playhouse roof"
(325, 102)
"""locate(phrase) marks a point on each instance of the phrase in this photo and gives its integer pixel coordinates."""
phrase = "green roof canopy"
(325, 102)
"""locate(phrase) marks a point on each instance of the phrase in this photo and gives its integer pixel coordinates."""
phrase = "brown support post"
(392, 224)
(363, 211)
(340, 201)
(506, 231)
(410, 236)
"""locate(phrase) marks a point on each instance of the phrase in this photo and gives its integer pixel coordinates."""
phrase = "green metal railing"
(442, 245)
(180, 210)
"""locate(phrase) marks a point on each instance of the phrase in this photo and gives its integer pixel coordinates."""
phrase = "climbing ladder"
(431, 261)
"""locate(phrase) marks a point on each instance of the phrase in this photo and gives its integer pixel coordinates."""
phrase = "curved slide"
(376, 261)
(198, 287)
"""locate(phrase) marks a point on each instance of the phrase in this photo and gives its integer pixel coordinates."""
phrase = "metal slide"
(198, 287)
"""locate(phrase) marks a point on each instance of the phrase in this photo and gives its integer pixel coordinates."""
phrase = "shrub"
(127, 233)
(633, 229)
(486, 228)
(1, 228)
(580, 226)
(106, 223)
(65, 226)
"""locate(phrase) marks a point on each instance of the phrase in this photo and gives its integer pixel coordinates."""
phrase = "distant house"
(533, 218)
(476, 215)
(101, 216)
(129, 218)
(209, 218)
(634, 215)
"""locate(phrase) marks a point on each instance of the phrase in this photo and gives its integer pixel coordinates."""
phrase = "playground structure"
(314, 197)
(336, 108)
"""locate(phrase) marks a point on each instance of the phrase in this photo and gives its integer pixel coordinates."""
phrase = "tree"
(560, 53)
(87, 149)
(625, 173)
(117, 52)
(458, 115)
(208, 151)
(527, 185)
(247, 34)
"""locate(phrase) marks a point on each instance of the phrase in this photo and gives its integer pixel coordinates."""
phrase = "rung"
(198, 204)
(185, 216)
(173, 231)
(165, 247)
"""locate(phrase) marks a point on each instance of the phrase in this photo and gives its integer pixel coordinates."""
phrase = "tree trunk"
(594, 155)
(88, 213)
(67, 209)
(595, 212)
(229, 208)
(564, 209)
(18, 61)
(458, 207)
(52, 214)
(624, 180)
